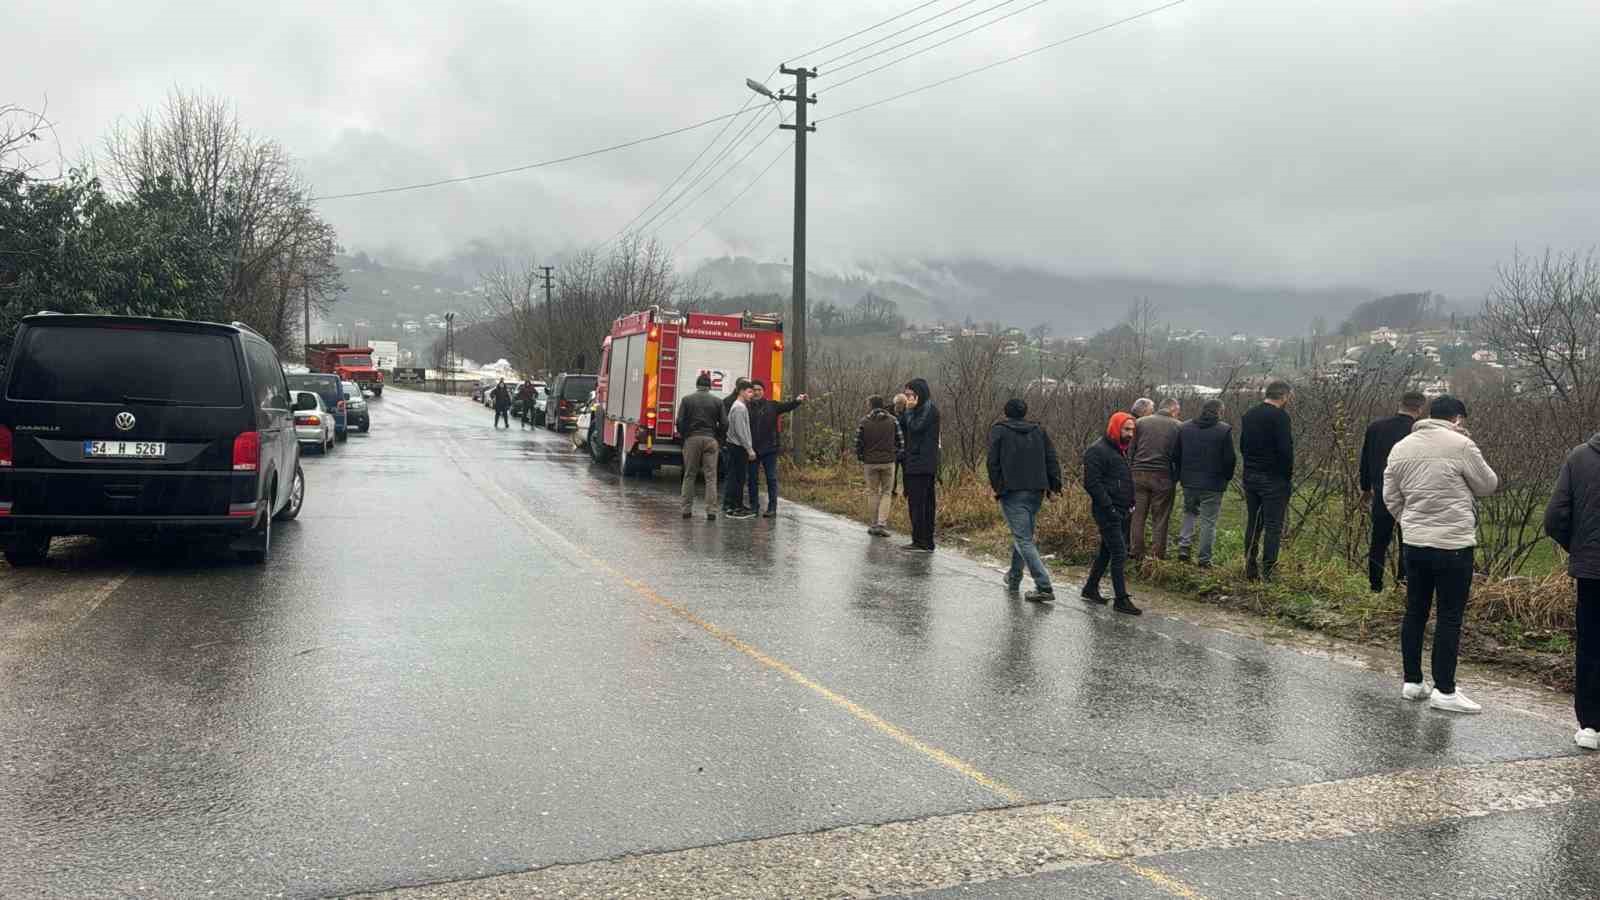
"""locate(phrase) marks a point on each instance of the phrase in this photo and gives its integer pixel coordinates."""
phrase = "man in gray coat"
(1573, 520)
(1154, 437)
(1431, 486)
(742, 451)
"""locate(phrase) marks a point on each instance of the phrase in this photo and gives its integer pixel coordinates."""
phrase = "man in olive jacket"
(1573, 521)
(1022, 469)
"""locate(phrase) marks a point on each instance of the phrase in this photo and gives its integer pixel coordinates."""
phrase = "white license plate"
(124, 449)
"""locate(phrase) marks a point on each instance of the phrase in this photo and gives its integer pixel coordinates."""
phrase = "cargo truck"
(347, 362)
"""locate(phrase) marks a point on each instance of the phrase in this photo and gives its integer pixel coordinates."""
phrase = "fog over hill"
(1024, 297)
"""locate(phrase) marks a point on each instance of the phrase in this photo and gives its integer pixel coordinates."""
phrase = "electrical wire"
(725, 173)
(736, 198)
(1010, 59)
(716, 161)
(894, 34)
(918, 52)
(536, 165)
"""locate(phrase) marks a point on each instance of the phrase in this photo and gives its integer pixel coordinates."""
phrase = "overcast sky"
(1382, 143)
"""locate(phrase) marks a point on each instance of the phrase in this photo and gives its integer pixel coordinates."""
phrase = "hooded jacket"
(764, 422)
(1022, 458)
(1106, 474)
(1153, 439)
(502, 397)
(921, 427)
(1573, 517)
(878, 438)
(1431, 484)
(1203, 458)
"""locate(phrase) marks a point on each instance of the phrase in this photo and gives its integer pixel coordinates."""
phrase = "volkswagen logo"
(125, 421)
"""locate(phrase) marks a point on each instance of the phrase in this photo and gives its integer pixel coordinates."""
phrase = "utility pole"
(305, 293)
(550, 320)
(797, 316)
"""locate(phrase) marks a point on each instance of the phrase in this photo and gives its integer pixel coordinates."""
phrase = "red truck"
(652, 359)
(347, 362)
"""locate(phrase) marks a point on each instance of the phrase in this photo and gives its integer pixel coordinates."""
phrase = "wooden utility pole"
(550, 320)
(795, 332)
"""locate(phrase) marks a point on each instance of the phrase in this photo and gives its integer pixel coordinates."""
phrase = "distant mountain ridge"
(1025, 297)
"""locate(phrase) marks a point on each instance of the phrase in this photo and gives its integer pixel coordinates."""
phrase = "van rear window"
(75, 364)
(577, 388)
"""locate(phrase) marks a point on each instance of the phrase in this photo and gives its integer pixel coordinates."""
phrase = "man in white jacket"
(1431, 486)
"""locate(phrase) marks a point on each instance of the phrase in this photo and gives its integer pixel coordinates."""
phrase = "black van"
(567, 393)
(119, 425)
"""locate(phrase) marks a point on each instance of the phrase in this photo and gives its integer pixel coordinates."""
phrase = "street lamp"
(760, 88)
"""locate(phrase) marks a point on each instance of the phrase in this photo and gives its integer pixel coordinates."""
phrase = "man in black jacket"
(1381, 437)
(700, 420)
(1573, 520)
(1022, 469)
(1109, 482)
(764, 415)
(1203, 462)
(1267, 445)
(921, 427)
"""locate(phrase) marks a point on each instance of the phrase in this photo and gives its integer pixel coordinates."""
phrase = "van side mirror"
(304, 402)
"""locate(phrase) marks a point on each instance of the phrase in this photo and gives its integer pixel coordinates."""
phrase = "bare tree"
(22, 132)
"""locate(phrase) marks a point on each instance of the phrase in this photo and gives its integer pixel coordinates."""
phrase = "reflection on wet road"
(477, 655)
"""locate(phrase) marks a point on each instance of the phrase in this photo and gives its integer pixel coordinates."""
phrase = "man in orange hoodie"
(1109, 481)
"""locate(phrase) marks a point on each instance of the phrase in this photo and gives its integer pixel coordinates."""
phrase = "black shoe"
(1037, 596)
(741, 513)
(914, 548)
(1203, 565)
(1125, 605)
(1013, 584)
(1377, 586)
(711, 517)
(1251, 573)
(688, 514)
(1183, 557)
(770, 514)
(1092, 596)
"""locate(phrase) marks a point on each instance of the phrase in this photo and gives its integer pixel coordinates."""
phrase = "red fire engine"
(652, 360)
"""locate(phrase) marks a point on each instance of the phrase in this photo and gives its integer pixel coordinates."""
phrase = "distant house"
(1384, 336)
(1011, 348)
(1485, 356)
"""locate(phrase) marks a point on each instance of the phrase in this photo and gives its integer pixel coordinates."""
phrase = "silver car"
(313, 423)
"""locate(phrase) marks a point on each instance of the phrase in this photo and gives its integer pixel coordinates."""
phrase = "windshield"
(356, 361)
(353, 389)
(325, 386)
(127, 364)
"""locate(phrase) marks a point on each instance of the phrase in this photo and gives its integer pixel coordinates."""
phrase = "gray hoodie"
(739, 426)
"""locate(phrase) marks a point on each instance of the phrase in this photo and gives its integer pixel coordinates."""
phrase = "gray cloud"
(1389, 144)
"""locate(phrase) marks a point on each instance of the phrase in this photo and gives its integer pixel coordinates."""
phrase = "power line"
(894, 34)
(717, 160)
(674, 182)
(537, 165)
(1010, 59)
(956, 37)
(847, 37)
(718, 180)
(736, 197)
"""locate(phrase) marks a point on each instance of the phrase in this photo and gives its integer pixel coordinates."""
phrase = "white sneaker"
(1417, 691)
(1588, 739)
(1456, 702)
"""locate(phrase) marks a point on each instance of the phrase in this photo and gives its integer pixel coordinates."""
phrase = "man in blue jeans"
(1022, 469)
(764, 415)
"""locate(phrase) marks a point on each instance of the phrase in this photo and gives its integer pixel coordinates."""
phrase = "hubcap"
(298, 492)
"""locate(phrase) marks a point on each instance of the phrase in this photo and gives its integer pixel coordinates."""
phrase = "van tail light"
(6, 451)
(247, 452)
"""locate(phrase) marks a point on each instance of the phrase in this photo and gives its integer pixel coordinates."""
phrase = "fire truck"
(349, 363)
(652, 359)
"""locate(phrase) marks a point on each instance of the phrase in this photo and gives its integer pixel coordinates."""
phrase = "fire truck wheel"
(597, 447)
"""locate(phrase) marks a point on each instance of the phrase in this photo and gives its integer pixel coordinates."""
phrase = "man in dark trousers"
(921, 427)
(1151, 457)
(524, 403)
(1381, 437)
(729, 459)
(502, 403)
(1109, 482)
(1267, 445)
(741, 446)
(1022, 469)
(1203, 461)
(1573, 520)
(700, 420)
(764, 415)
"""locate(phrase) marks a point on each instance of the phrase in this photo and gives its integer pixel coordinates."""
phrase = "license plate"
(124, 449)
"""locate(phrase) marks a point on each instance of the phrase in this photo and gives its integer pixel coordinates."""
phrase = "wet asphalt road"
(475, 654)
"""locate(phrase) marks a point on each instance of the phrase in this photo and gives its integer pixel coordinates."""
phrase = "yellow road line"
(1084, 841)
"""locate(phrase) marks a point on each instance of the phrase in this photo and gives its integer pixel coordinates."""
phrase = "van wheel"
(28, 550)
(257, 545)
(297, 497)
(365, 426)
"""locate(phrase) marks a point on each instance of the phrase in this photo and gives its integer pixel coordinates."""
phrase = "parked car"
(580, 428)
(114, 425)
(333, 395)
(355, 407)
(313, 423)
(561, 410)
(540, 405)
